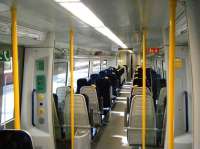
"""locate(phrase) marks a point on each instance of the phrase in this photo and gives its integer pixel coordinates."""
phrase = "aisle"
(114, 135)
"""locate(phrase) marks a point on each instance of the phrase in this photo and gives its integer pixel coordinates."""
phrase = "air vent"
(181, 20)
(3, 7)
(23, 32)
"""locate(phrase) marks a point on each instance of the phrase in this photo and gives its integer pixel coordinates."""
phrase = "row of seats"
(155, 113)
(95, 96)
(157, 86)
(153, 81)
(61, 118)
(101, 90)
(116, 75)
(107, 82)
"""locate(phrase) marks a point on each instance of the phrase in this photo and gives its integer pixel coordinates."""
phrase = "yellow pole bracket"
(171, 73)
(15, 67)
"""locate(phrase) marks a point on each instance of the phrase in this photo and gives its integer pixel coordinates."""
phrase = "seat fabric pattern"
(91, 93)
(134, 131)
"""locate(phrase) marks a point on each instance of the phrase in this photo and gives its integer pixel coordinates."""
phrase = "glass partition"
(7, 108)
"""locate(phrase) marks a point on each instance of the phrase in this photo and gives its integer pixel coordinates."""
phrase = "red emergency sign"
(153, 50)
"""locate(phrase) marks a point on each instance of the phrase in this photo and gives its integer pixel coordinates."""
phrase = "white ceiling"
(125, 18)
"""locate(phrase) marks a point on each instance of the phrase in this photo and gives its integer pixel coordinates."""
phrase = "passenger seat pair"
(81, 119)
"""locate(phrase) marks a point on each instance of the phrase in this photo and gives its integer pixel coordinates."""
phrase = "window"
(58, 81)
(59, 77)
(81, 70)
(7, 110)
(104, 65)
(96, 66)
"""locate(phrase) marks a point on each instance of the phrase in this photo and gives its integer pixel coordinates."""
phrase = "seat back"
(55, 99)
(122, 74)
(115, 83)
(15, 139)
(104, 91)
(102, 74)
(120, 71)
(57, 129)
(138, 91)
(162, 100)
(63, 94)
(81, 118)
(80, 107)
(138, 82)
(90, 92)
(93, 78)
(81, 123)
(125, 74)
(161, 108)
(134, 131)
(164, 128)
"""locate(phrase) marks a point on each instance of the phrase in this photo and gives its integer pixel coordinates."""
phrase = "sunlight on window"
(81, 64)
(8, 103)
(80, 71)
(96, 66)
(58, 81)
(104, 65)
(7, 111)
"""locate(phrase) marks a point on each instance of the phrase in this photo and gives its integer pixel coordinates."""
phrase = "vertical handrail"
(33, 106)
(89, 69)
(66, 80)
(171, 73)
(144, 90)
(163, 75)
(186, 112)
(15, 67)
(71, 46)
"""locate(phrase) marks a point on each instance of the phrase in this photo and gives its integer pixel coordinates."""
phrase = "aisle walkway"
(114, 134)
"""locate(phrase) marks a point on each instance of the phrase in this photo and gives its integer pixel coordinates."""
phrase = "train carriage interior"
(99, 74)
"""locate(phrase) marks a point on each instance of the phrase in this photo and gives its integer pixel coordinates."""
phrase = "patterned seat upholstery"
(134, 131)
(90, 92)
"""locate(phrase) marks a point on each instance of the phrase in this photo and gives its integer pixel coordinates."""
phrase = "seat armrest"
(91, 118)
(128, 104)
(125, 118)
(100, 103)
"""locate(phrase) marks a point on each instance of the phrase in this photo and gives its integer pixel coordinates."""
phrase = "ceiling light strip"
(82, 12)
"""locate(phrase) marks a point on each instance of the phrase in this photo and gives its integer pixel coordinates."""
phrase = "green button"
(40, 83)
(40, 65)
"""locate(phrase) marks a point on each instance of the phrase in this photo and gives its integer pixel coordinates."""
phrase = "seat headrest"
(94, 78)
(81, 82)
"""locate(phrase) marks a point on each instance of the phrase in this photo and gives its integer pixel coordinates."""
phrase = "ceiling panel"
(125, 18)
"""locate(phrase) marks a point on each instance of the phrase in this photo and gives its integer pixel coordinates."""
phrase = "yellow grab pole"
(71, 46)
(171, 71)
(15, 67)
(144, 90)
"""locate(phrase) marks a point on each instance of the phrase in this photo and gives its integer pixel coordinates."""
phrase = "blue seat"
(103, 74)
(93, 78)
(80, 83)
(15, 139)
(104, 91)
